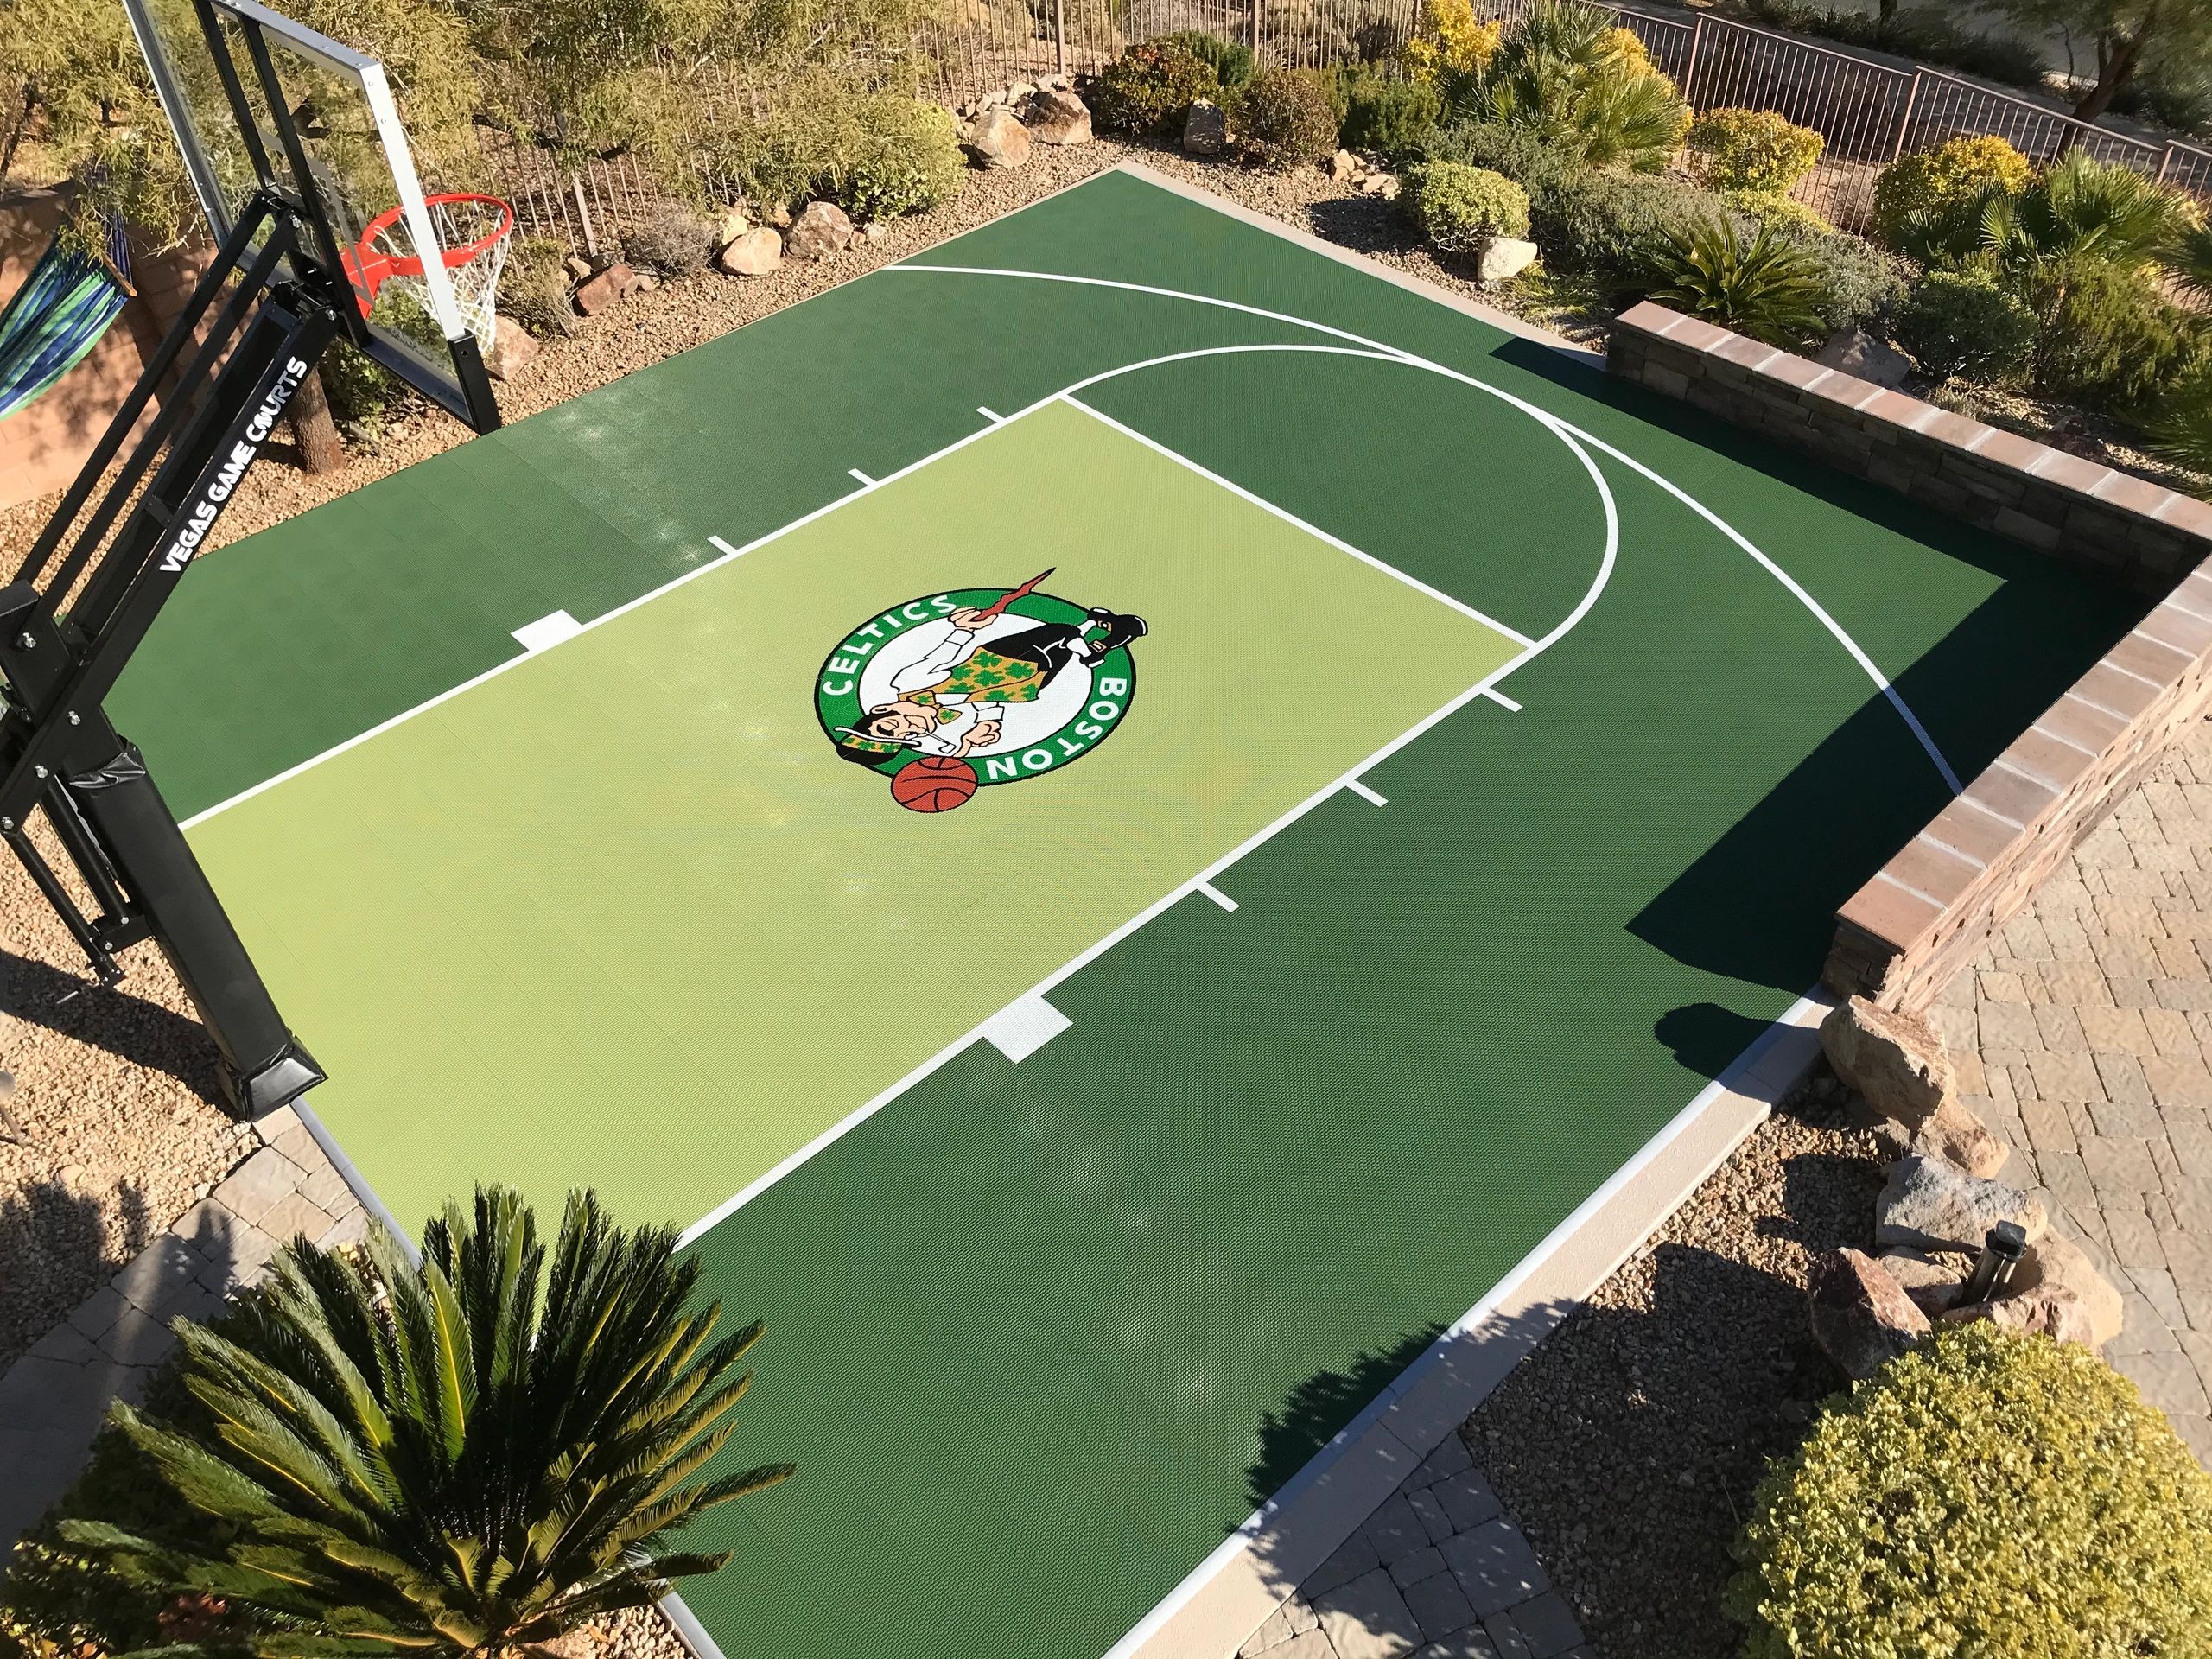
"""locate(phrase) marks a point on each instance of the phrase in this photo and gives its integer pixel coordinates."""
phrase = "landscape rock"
(1861, 1317)
(1929, 1206)
(735, 222)
(605, 290)
(779, 216)
(998, 139)
(512, 349)
(1893, 1058)
(579, 270)
(1056, 117)
(1962, 1140)
(2052, 1311)
(1866, 356)
(820, 229)
(1344, 165)
(755, 253)
(2055, 1262)
(1504, 257)
(1931, 1279)
(1206, 129)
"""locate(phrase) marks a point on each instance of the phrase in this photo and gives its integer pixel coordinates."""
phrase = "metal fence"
(1869, 112)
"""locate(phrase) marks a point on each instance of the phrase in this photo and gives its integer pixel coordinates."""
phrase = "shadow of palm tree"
(56, 1249)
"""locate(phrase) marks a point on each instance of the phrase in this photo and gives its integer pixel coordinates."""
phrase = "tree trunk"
(321, 449)
(2115, 67)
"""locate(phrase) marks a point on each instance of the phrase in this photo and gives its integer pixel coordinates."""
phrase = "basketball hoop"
(472, 231)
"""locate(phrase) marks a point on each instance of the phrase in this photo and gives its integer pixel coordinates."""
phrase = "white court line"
(1502, 699)
(1217, 895)
(1365, 793)
(1020, 1028)
(547, 631)
(863, 477)
(990, 415)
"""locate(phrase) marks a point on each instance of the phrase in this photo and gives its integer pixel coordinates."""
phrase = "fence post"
(1255, 30)
(1060, 35)
(1689, 65)
(591, 241)
(1905, 121)
(2165, 161)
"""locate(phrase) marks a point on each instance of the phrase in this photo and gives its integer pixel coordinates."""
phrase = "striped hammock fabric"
(57, 316)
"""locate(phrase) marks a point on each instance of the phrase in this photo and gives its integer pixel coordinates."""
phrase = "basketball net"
(472, 232)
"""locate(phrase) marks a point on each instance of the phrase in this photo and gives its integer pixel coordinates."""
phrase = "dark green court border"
(1041, 1335)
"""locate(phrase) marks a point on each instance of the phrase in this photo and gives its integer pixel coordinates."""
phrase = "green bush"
(1857, 281)
(2107, 338)
(1147, 90)
(534, 285)
(1388, 117)
(674, 242)
(1919, 197)
(1989, 1493)
(1615, 226)
(1458, 207)
(1752, 149)
(1231, 63)
(907, 160)
(1782, 213)
(1566, 71)
(1762, 287)
(1530, 159)
(1285, 118)
(1960, 322)
(1922, 32)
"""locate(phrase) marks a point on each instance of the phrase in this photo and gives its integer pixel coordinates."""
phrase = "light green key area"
(619, 915)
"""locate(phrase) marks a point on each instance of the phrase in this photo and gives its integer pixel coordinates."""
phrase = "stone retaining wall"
(1924, 915)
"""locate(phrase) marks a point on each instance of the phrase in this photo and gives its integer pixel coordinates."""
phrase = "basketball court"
(1105, 1031)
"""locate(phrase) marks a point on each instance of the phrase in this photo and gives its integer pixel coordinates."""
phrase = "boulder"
(1928, 1205)
(603, 291)
(512, 349)
(1504, 257)
(779, 216)
(1055, 117)
(820, 229)
(1017, 90)
(754, 253)
(579, 269)
(1384, 184)
(1343, 166)
(1932, 1279)
(2052, 1311)
(735, 222)
(998, 139)
(1861, 1318)
(2055, 1262)
(1206, 129)
(1870, 358)
(1961, 1140)
(1893, 1058)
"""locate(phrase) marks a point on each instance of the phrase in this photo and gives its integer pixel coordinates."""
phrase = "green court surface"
(1499, 747)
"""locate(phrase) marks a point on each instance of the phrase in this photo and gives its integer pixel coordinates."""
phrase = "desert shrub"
(1986, 1493)
(1528, 158)
(1285, 118)
(1390, 117)
(2107, 338)
(1960, 322)
(1449, 44)
(1762, 287)
(1230, 63)
(1770, 207)
(1458, 207)
(906, 160)
(362, 395)
(1614, 225)
(534, 286)
(1857, 280)
(1752, 149)
(674, 242)
(1920, 198)
(2179, 101)
(1146, 92)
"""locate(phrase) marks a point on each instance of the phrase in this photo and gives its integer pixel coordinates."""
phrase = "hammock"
(58, 314)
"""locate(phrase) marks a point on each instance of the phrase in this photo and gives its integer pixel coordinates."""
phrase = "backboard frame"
(467, 394)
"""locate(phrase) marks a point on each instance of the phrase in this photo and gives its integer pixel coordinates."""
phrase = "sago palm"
(435, 1459)
(1765, 289)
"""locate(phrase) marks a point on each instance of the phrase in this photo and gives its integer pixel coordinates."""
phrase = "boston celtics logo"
(976, 686)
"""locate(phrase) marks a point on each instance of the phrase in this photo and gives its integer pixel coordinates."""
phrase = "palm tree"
(1567, 72)
(2082, 209)
(427, 1460)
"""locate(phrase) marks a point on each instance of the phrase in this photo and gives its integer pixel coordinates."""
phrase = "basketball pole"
(68, 627)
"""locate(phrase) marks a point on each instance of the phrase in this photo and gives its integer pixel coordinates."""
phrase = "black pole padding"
(263, 1065)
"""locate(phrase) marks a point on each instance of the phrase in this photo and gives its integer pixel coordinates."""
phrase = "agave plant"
(1765, 289)
(1566, 71)
(430, 1459)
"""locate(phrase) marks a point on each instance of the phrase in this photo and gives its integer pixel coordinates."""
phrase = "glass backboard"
(257, 99)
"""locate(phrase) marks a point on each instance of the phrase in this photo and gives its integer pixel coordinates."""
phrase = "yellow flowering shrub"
(1752, 149)
(1449, 43)
(1948, 179)
(1987, 1494)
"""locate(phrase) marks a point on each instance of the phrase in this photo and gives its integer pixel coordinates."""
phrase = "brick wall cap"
(2187, 514)
(1647, 318)
(1752, 354)
(2131, 494)
(2009, 450)
(2075, 473)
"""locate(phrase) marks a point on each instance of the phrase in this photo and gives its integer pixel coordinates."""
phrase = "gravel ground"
(1629, 1442)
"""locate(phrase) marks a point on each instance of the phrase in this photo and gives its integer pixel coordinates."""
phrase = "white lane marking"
(862, 476)
(1314, 530)
(548, 631)
(1502, 699)
(1217, 895)
(1022, 1028)
(990, 415)
(1365, 793)
(1558, 424)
